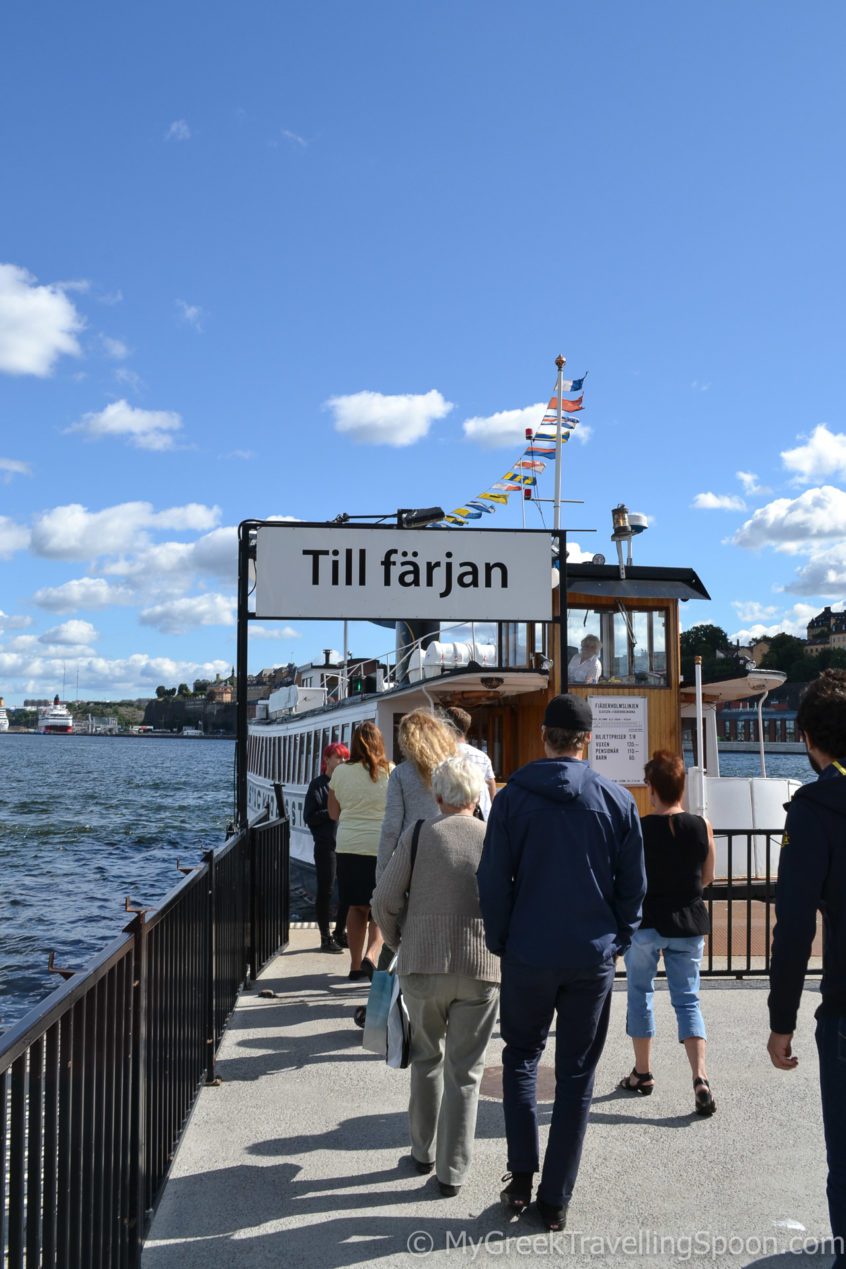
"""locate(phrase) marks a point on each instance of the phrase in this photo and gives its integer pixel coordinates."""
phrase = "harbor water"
(86, 821)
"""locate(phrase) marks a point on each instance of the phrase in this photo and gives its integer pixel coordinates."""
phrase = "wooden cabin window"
(633, 644)
(514, 644)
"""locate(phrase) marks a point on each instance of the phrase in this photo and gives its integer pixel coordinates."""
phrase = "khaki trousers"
(452, 1018)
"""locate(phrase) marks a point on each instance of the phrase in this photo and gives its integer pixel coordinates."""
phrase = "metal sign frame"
(246, 556)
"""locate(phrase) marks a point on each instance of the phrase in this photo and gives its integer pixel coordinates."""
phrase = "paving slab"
(299, 1158)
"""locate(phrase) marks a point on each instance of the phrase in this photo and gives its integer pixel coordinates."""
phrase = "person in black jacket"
(323, 830)
(811, 878)
(561, 882)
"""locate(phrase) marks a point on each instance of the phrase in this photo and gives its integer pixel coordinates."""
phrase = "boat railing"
(741, 906)
(97, 1082)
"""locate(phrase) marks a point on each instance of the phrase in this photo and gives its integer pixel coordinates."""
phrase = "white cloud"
(823, 454)
(175, 565)
(749, 610)
(751, 487)
(295, 137)
(13, 537)
(718, 502)
(190, 314)
(575, 554)
(506, 427)
(371, 418)
(129, 377)
(178, 616)
(243, 455)
(37, 673)
(275, 631)
(824, 574)
(82, 592)
(796, 524)
(73, 632)
(10, 467)
(13, 623)
(793, 621)
(699, 385)
(178, 131)
(145, 429)
(73, 532)
(114, 348)
(38, 324)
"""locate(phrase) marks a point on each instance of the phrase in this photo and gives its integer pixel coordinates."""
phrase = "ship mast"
(560, 363)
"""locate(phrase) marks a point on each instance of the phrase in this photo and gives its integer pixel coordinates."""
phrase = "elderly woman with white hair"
(449, 979)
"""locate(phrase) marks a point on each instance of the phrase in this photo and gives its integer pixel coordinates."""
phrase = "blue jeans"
(529, 999)
(831, 1045)
(682, 958)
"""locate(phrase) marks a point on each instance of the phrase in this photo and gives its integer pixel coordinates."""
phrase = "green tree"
(704, 641)
(183, 690)
(783, 653)
(201, 686)
(161, 691)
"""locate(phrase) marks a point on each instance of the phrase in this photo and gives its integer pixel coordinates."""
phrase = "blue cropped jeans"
(682, 958)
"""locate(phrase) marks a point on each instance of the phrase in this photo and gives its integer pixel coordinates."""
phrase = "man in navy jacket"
(561, 884)
(812, 877)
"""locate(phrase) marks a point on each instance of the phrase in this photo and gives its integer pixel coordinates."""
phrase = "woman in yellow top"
(357, 793)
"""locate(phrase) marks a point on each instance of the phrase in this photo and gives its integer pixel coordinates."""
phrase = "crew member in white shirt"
(462, 721)
(585, 666)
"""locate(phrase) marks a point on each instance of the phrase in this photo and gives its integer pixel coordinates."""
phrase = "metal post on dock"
(244, 553)
(563, 678)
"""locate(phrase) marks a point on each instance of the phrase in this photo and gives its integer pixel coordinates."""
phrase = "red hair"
(336, 749)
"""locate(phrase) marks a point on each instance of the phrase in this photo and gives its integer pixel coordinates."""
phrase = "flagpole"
(560, 363)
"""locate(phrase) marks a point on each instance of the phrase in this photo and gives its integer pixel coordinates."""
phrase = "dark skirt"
(356, 879)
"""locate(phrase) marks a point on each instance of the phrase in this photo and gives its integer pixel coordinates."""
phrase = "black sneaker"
(329, 945)
(517, 1194)
(340, 938)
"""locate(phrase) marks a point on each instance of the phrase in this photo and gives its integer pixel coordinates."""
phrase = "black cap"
(570, 713)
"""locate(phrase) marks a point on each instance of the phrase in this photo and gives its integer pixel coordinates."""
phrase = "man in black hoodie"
(812, 877)
(561, 884)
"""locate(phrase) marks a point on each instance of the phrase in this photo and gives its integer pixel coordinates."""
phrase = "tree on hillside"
(161, 691)
(783, 653)
(201, 686)
(183, 690)
(704, 641)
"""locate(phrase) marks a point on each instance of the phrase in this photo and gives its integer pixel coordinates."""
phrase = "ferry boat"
(4, 717)
(504, 676)
(504, 672)
(55, 719)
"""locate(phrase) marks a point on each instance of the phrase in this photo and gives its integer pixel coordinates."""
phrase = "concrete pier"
(299, 1158)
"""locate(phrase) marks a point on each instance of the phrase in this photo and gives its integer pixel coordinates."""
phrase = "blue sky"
(219, 220)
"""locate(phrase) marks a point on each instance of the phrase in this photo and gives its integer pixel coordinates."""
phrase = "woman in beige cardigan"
(449, 979)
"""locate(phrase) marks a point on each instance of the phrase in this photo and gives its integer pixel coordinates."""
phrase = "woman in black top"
(679, 852)
(323, 830)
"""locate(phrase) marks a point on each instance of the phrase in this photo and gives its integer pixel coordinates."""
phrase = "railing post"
(211, 981)
(252, 955)
(138, 1092)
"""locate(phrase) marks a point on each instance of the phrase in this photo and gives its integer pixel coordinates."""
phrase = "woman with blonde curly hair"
(425, 742)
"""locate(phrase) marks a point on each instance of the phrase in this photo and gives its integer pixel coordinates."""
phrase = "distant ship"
(55, 719)
(4, 717)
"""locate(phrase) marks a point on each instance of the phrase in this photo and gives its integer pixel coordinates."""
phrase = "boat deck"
(298, 1158)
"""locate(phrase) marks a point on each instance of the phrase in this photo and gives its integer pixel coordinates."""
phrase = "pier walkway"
(299, 1157)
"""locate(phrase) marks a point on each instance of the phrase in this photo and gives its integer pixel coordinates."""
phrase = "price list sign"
(619, 748)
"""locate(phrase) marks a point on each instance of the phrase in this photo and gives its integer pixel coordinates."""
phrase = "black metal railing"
(97, 1082)
(741, 906)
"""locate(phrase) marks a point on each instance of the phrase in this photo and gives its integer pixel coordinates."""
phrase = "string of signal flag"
(523, 474)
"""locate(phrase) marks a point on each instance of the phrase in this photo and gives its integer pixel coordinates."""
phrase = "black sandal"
(517, 1194)
(705, 1104)
(644, 1084)
(554, 1218)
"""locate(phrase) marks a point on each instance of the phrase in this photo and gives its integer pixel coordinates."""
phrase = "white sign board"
(619, 749)
(333, 572)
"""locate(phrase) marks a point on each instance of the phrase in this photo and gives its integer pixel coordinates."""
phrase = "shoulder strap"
(415, 839)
